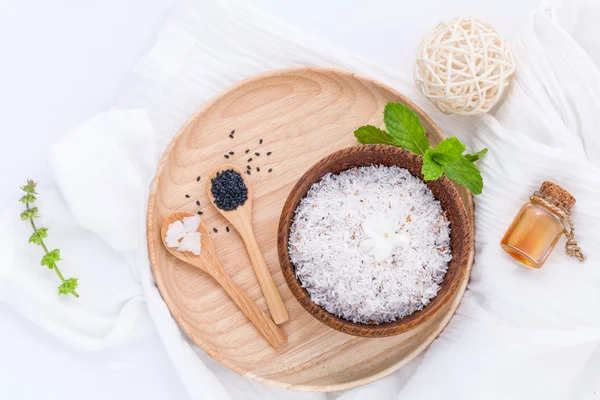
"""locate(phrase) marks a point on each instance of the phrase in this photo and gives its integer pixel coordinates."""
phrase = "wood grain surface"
(302, 114)
(461, 238)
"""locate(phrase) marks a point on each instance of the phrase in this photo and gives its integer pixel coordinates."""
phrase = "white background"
(62, 61)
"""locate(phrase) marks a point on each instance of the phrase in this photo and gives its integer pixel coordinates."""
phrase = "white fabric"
(518, 334)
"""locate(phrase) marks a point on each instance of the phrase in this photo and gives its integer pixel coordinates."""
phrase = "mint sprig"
(50, 258)
(404, 129)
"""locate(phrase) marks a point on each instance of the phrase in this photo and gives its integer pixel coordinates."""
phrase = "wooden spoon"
(207, 261)
(241, 219)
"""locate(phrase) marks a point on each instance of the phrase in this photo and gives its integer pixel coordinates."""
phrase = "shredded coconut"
(341, 275)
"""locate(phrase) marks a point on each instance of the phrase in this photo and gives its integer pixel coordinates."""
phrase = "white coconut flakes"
(184, 235)
(344, 277)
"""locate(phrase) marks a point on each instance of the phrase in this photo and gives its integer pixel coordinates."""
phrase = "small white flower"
(184, 235)
(382, 237)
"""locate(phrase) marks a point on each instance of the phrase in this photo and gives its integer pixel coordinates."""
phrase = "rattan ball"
(463, 66)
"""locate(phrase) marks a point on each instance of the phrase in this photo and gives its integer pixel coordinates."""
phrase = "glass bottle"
(538, 226)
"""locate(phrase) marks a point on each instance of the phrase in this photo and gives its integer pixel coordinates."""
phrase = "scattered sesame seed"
(231, 136)
(227, 228)
(231, 153)
(257, 169)
(260, 141)
(247, 151)
(187, 196)
(269, 153)
(233, 131)
(198, 179)
(248, 172)
(250, 159)
(200, 213)
(270, 170)
(257, 154)
(248, 167)
(226, 156)
(197, 202)
(215, 230)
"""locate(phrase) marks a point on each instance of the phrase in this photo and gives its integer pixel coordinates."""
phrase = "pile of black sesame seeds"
(229, 190)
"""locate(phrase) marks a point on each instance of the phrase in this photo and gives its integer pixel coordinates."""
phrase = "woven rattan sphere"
(463, 66)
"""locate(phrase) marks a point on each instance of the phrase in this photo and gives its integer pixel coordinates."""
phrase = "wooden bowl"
(461, 239)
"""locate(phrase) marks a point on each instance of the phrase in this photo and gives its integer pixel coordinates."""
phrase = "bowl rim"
(402, 325)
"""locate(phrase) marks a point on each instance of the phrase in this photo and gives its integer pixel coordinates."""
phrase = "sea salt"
(344, 277)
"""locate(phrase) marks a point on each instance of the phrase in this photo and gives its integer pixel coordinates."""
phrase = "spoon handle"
(267, 284)
(274, 335)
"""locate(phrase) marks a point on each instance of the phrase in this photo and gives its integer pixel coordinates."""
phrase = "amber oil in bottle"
(538, 226)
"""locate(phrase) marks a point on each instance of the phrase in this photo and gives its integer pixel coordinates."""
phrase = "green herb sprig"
(404, 129)
(50, 258)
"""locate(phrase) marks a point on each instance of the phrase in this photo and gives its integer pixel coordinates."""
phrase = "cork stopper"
(564, 199)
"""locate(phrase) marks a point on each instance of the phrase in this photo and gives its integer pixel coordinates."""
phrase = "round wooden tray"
(301, 114)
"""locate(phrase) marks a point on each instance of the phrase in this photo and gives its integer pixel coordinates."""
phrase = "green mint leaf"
(476, 156)
(370, 134)
(28, 198)
(448, 151)
(51, 258)
(431, 170)
(464, 172)
(68, 286)
(29, 213)
(405, 127)
(30, 187)
(38, 236)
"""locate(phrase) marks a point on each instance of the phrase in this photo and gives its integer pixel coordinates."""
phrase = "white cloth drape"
(518, 334)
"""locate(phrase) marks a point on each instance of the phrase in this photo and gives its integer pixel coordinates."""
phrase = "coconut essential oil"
(538, 226)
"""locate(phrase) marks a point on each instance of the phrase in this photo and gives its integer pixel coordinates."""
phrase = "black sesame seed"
(250, 159)
(247, 151)
(229, 190)
(257, 154)
(198, 179)
(257, 169)
(269, 153)
(187, 196)
(233, 131)
(270, 169)
(200, 213)
(231, 136)
(260, 141)
(226, 156)
(249, 172)
(197, 202)
(215, 230)
(248, 167)
(231, 153)
(227, 228)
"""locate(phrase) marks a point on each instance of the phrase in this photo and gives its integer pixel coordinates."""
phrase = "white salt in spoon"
(241, 219)
(207, 261)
